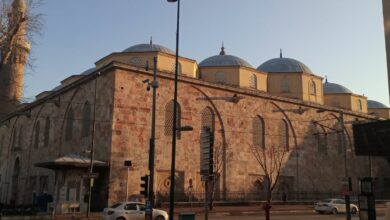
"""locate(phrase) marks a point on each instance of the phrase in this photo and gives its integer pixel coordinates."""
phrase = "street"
(285, 217)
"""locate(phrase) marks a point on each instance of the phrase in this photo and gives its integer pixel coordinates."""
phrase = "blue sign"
(148, 207)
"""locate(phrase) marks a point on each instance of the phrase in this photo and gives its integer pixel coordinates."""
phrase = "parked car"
(334, 206)
(131, 211)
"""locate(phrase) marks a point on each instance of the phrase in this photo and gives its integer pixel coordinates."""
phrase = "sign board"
(372, 138)
(148, 207)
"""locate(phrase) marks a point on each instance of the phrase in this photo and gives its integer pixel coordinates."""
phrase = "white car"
(131, 211)
(334, 206)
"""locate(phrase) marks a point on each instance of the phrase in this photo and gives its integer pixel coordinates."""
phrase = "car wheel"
(120, 218)
(353, 210)
(334, 211)
(160, 217)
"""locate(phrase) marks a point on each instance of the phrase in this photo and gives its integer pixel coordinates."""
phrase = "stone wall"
(19, 140)
(305, 168)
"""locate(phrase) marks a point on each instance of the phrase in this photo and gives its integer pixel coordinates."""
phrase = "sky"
(340, 39)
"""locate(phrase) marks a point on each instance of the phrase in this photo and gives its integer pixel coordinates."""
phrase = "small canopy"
(70, 161)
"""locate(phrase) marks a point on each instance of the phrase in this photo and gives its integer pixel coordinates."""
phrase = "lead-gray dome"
(330, 88)
(284, 65)
(224, 60)
(149, 48)
(375, 104)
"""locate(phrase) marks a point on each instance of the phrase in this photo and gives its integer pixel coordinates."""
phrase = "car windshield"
(116, 205)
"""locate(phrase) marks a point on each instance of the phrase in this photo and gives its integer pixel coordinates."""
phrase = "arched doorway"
(15, 182)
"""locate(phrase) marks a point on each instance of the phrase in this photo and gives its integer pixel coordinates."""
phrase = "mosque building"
(45, 145)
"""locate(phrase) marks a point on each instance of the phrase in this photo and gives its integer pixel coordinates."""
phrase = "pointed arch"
(15, 181)
(258, 127)
(360, 105)
(207, 119)
(312, 88)
(284, 135)
(321, 138)
(169, 119)
(69, 125)
(46, 135)
(253, 81)
(87, 119)
(179, 68)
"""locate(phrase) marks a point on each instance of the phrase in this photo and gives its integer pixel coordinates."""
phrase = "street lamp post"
(348, 179)
(154, 85)
(347, 182)
(174, 127)
(92, 151)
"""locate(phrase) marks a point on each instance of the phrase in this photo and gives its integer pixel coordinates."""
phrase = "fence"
(258, 197)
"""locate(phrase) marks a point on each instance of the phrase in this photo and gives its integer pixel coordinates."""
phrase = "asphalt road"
(313, 216)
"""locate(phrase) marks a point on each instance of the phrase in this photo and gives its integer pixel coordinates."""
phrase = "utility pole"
(91, 178)
(347, 178)
(154, 85)
(174, 127)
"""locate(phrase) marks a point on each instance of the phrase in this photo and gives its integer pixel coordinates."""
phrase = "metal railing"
(259, 197)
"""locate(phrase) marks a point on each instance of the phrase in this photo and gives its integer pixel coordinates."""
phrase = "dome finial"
(151, 40)
(281, 53)
(222, 50)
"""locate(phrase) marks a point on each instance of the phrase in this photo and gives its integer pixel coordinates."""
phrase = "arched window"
(179, 71)
(312, 88)
(284, 135)
(69, 125)
(169, 119)
(36, 134)
(207, 119)
(15, 180)
(360, 105)
(220, 77)
(322, 139)
(258, 132)
(46, 135)
(284, 85)
(87, 119)
(253, 81)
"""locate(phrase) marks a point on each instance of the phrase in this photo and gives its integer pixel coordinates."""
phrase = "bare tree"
(18, 25)
(270, 161)
(218, 163)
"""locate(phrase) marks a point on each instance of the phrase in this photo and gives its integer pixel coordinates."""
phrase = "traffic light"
(206, 151)
(144, 185)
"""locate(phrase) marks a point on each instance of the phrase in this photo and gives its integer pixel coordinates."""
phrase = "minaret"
(14, 54)
(386, 22)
